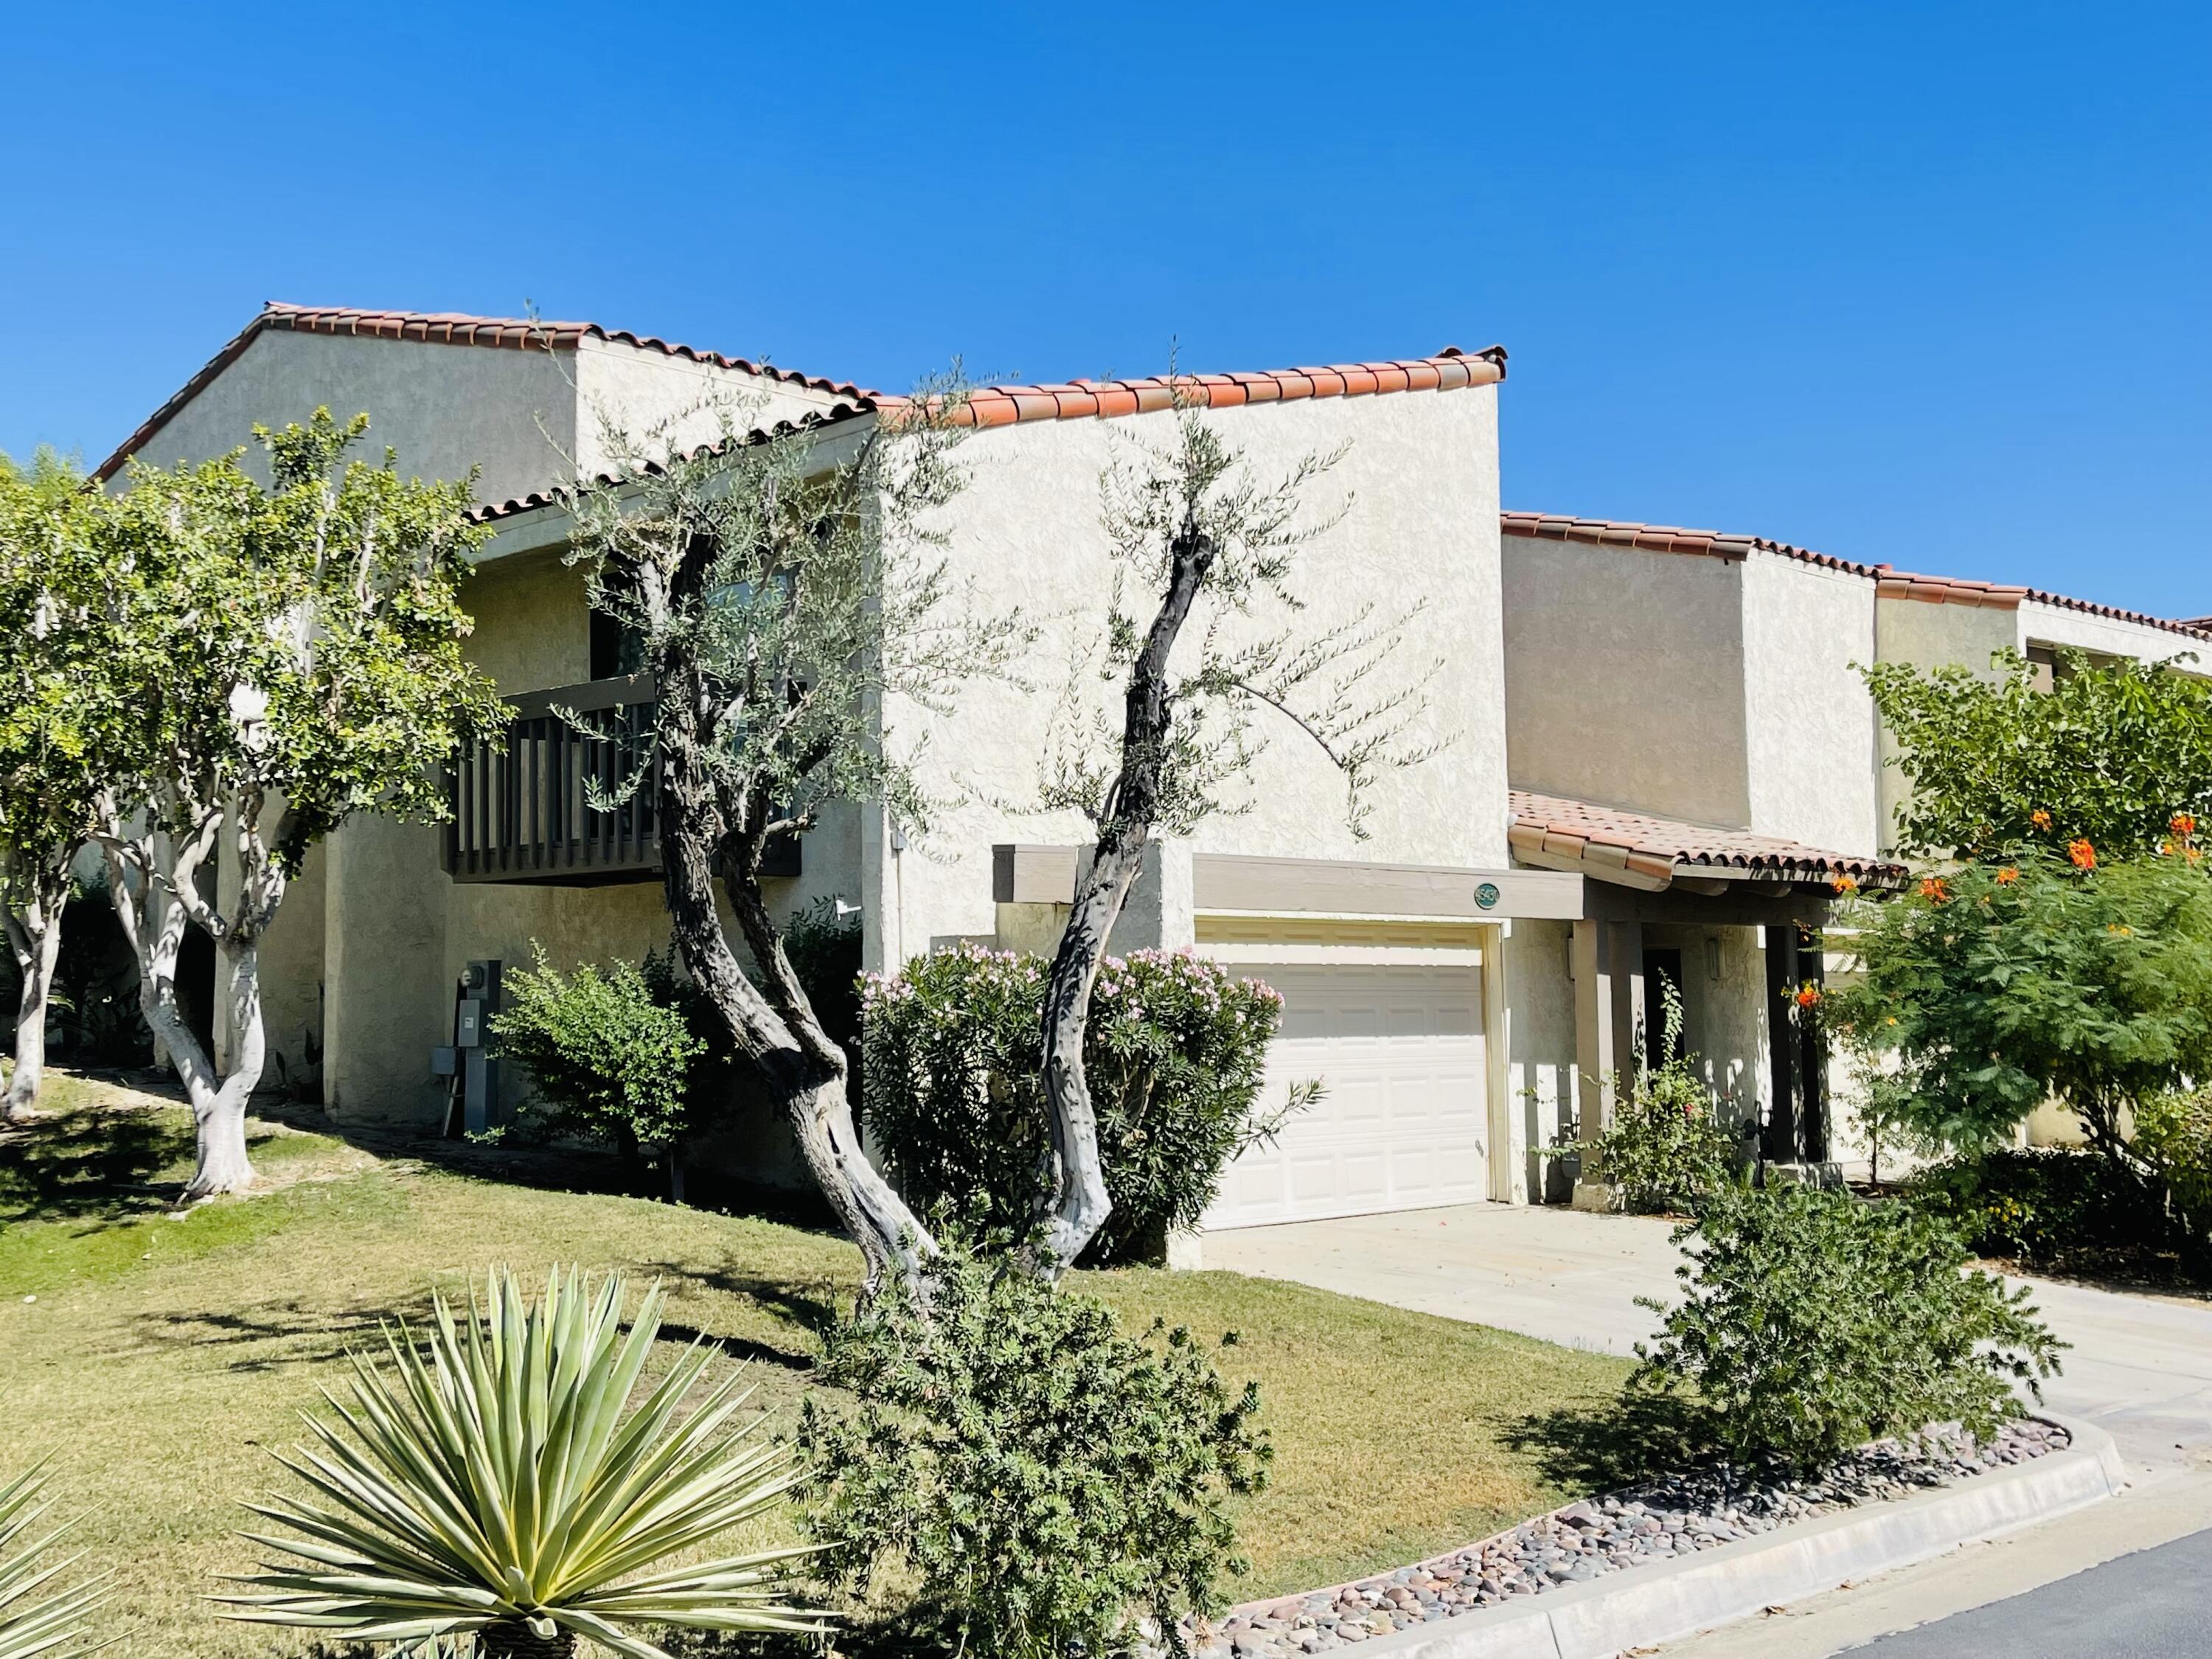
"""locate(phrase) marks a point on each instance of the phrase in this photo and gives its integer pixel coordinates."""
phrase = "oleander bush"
(1812, 1321)
(1036, 1478)
(1176, 1048)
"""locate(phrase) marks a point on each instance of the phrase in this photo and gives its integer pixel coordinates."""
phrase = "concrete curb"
(1646, 1605)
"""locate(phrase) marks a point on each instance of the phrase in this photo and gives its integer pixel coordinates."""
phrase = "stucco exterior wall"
(1625, 678)
(1927, 637)
(1421, 468)
(292, 974)
(443, 408)
(1541, 1077)
(534, 627)
(2057, 625)
(639, 389)
(1809, 724)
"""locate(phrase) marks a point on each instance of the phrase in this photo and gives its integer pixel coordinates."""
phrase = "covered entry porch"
(1733, 924)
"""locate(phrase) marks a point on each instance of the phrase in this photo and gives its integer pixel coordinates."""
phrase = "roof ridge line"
(1891, 582)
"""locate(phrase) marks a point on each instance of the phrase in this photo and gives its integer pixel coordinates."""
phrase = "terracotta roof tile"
(1608, 840)
(440, 328)
(1891, 583)
(1664, 539)
(1010, 405)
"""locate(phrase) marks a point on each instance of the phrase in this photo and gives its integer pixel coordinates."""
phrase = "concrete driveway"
(2140, 1366)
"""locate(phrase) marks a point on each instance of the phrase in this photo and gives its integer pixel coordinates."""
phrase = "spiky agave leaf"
(496, 1472)
(37, 1615)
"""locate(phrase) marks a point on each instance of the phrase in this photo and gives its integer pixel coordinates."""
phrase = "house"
(1661, 761)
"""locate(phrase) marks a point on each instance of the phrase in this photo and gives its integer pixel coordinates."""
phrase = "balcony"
(523, 814)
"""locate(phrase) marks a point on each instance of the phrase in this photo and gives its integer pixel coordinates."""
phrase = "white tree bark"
(153, 881)
(34, 935)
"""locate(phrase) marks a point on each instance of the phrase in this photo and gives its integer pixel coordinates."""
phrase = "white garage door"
(1403, 1122)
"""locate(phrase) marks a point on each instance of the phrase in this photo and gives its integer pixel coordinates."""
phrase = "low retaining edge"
(1665, 1600)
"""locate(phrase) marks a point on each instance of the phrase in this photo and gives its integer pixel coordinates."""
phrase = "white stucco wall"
(1625, 677)
(1809, 724)
(1540, 1072)
(2039, 623)
(1421, 468)
(443, 408)
(639, 388)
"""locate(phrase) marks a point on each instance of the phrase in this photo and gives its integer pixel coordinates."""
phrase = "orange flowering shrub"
(2040, 818)
(2008, 875)
(1935, 889)
(1808, 995)
(1845, 882)
(2183, 824)
(2080, 854)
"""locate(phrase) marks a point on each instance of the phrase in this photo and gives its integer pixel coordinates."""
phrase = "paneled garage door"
(1403, 1124)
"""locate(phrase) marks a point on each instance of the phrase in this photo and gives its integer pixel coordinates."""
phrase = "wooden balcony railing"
(524, 814)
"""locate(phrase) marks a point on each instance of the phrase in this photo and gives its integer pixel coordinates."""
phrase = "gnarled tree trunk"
(34, 935)
(776, 1033)
(154, 923)
(1077, 1203)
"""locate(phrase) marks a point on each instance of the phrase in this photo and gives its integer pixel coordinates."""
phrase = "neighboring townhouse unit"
(1654, 674)
(1661, 759)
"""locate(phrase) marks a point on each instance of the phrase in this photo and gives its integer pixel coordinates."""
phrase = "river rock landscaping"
(1663, 1520)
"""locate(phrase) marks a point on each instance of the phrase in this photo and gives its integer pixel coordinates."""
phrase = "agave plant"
(35, 1617)
(495, 1483)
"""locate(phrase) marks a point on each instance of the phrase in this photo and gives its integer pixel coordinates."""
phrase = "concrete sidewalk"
(2141, 1368)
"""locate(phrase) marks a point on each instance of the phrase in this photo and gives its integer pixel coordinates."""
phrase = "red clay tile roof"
(1891, 583)
(1010, 405)
(438, 328)
(1663, 538)
(1646, 851)
(1449, 370)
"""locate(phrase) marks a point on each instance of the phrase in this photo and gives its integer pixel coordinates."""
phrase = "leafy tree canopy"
(1998, 986)
(2110, 753)
(57, 743)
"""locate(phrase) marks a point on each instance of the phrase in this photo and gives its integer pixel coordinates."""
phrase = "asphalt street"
(2155, 1604)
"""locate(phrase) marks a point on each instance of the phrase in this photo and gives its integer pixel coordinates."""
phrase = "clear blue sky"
(1925, 284)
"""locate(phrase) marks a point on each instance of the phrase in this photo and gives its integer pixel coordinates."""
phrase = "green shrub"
(610, 1059)
(1041, 1478)
(2048, 1206)
(823, 949)
(2173, 1133)
(1176, 1049)
(1814, 1321)
(1665, 1146)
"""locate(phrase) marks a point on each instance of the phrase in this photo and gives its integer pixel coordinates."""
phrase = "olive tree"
(56, 734)
(784, 587)
(1203, 635)
(291, 655)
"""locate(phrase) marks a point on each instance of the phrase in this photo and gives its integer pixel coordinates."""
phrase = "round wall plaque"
(1486, 895)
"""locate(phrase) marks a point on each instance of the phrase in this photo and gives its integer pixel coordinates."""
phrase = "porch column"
(1608, 965)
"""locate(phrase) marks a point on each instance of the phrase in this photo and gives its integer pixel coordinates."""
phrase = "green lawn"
(161, 1355)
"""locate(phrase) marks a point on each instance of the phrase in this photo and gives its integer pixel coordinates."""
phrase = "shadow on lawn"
(1619, 1443)
(278, 1335)
(92, 1165)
